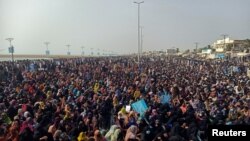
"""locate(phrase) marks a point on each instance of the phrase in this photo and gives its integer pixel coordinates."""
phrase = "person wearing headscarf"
(57, 135)
(111, 132)
(131, 133)
(82, 137)
(116, 136)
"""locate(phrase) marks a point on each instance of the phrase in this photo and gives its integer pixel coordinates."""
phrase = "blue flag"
(32, 67)
(140, 107)
(165, 98)
(236, 69)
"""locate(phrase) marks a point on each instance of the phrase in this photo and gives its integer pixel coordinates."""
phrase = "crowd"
(85, 99)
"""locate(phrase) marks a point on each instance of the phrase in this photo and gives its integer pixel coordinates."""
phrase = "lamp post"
(98, 52)
(224, 43)
(68, 53)
(139, 3)
(103, 52)
(196, 47)
(224, 37)
(141, 52)
(92, 53)
(47, 48)
(82, 50)
(11, 50)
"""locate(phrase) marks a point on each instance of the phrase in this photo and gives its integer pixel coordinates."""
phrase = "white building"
(220, 45)
(228, 44)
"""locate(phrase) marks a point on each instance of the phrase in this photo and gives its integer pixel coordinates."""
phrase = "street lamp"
(224, 46)
(138, 3)
(47, 49)
(68, 53)
(103, 52)
(82, 50)
(92, 53)
(98, 52)
(224, 37)
(196, 47)
(141, 52)
(11, 50)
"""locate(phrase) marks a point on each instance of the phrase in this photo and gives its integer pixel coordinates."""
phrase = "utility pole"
(141, 53)
(103, 52)
(47, 48)
(98, 52)
(92, 53)
(11, 50)
(82, 50)
(224, 37)
(196, 47)
(68, 53)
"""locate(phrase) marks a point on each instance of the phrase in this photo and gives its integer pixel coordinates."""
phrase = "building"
(206, 51)
(230, 45)
(171, 52)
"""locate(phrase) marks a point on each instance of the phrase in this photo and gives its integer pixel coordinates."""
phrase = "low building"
(206, 51)
(171, 52)
(229, 45)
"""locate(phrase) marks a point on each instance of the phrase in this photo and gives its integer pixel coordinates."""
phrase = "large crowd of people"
(86, 99)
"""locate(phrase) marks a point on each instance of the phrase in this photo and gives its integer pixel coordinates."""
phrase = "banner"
(220, 56)
(236, 69)
(140, 107)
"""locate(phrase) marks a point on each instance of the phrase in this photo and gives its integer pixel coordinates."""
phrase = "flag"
(236, 69)
(165, 98)
(140, 107)
(32, 67)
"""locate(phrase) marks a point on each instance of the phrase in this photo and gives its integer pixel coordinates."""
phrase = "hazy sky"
(112, 24)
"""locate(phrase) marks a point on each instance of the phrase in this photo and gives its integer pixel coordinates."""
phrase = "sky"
(111, 25)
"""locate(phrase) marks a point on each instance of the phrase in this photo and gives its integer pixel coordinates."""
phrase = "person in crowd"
(90, 98)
